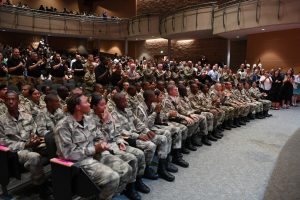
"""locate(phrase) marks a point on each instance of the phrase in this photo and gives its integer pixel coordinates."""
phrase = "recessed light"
(263, 29)
(3, 30)
(237, 36)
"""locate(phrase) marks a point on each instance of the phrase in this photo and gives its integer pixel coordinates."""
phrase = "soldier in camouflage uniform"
(241, 109)
(185, 108)
(256, 94)
(204, 106)
(132, 98)
(133, 156)
(17, 132)
(131, 127)
(78, 139)
(171, 107)
(150, 115)
(35, 104)
(89, 79)
(47, 119)
(219, 99)
(110, 103)
(3, 108)
(258, 106)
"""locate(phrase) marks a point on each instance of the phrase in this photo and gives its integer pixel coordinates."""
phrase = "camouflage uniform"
(241, 109)
(76, 142)
(33, 108)
(133, 101)
(110, 104)
(238, 95)
(133, 156)
(220, 97)
(257, 105)
(171, 104)
(14, 134)
(203, 104)
(148, 117)
(254, 92)
(89, 80)
(205, 122)
(46, 121)
(3, 108)
(128, 124)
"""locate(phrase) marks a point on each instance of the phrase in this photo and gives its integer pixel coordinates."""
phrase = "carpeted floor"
(237, 167)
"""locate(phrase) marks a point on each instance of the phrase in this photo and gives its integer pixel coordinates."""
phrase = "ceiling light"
(263, 29)
(237, 36)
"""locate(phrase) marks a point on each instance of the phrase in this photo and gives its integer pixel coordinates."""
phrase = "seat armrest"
(4, 148)
(62, 162)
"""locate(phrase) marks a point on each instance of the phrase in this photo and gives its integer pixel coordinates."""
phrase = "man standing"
(78, 69)
(16, 68)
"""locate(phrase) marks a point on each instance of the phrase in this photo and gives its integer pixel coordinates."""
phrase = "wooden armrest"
(62, 162)
(3, 148)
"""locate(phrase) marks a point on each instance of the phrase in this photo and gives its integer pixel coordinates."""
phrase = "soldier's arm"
(41, 124)
(7, 142)
(119, 127)
(68, 148)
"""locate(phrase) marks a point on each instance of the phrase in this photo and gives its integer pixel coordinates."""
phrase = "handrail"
(54, 15)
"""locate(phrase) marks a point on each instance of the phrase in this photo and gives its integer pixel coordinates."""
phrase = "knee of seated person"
(35, 158)
(151, 146)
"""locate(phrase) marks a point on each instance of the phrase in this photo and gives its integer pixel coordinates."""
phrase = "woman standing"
(296, 91)
(275, 90)
(287, 89)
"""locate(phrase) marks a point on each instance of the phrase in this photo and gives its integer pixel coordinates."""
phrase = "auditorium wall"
(275, 49)
(213, 48)
(59, 5)
(163, 6)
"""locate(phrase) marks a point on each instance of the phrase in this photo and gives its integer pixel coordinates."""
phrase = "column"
(126, 47)
(228, 52)
(169, 49)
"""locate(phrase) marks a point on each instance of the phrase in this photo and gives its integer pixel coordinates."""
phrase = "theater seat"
(67, 178)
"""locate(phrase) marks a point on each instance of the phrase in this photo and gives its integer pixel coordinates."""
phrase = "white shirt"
(267, 84)
(214, 75)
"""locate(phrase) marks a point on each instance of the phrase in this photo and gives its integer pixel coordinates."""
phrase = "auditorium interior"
(149, 99)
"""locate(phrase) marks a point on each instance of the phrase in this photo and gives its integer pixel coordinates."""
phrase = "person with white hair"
(213, 73)
(133, 75)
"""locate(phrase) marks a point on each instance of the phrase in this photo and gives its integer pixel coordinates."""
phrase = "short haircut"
(50, 97)
(2, 86)
(95, 99)
(117, 97)
(73, 101)
(12, 92)
(31, 90)
(170, 87)
(147, 94)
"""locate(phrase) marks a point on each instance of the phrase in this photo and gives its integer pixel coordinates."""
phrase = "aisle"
(235, 168)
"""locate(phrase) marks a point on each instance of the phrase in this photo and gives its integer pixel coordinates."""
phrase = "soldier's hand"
(157, 108)
(143, 137)
(151, 135)
(194, 117)
(172, 113)
(33, 142)
(100, 147)
(122, 147)
(189, 120)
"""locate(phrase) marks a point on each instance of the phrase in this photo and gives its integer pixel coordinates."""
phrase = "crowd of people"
(65, 11)
(111, 115)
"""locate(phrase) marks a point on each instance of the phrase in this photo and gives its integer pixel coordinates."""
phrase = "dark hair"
(147, 94)
(182, 90)
(95, 99)
(2, 86)
(50, 97)
(12, 92)
(73, 101)
(31, 90)
(117, 97)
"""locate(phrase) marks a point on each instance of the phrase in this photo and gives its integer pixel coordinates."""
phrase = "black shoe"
(177, 159)
(45, 192)
(170, 167)
(211, 138)
(267, 114)
(131, 192)
(206, 141)
(162, 171)
(196, 141)
(189, 146)
(231, 124)
(150, 173)
(226, 125)
(246, 119)
(236, 123)
(258, 116)
(183, 149)
(251, 116)
(141, 186)
(241, 122)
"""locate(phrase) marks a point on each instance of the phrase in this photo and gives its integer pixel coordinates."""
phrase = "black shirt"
(78, 65)
(59, 72)
(2, 73)
(36, 72)
(100, 70)
(12, 62)
(115, 78)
